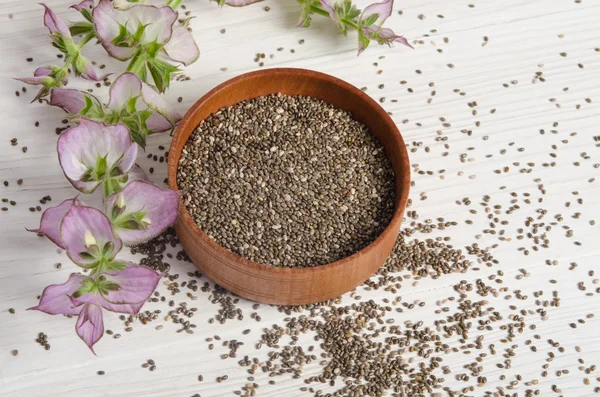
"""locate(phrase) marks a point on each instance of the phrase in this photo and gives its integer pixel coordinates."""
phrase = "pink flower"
(370, 26)
(130, 101)
(141, 211)
(62, 39)
(48, 77)
(52, 219)
(122, 291)
(92, 153)
(123, 31)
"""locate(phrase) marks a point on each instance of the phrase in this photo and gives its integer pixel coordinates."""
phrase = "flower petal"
(54, 23)
(106, 22)
(42, 80)
(136, 174)
(97, 300)
(126, 86)
(132, 287)
(56, 298)
(43, 76)
(90, 326)
(89, 72)
(387, 36)
(182, 47)
(69, 99)
(158, 123)
(383, 10)
(147, 209)
(42, 71)
(157, 103)
(158, 21)
(83, 227)
(80, 147)
(136, 284)
(240, 3)
(85, 4)
(328, 6)
(51, 220)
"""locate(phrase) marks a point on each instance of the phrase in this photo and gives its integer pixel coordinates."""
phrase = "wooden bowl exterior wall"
(291, 286)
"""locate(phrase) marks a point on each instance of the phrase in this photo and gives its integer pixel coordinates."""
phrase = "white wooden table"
(524, 37)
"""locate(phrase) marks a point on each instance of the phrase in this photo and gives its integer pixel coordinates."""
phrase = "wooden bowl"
(291, 286)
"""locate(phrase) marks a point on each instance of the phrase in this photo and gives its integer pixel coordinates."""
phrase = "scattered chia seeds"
(42, 339)
(287, 181)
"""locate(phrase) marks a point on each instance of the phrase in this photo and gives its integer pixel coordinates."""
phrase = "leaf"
(174, 4)
(108, 248)
(100, 168)
(120, 40)
(161, 73)
(370, 20)
(137, 65)
(81, 28)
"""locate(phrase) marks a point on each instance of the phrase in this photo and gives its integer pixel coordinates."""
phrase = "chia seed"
(287, 181)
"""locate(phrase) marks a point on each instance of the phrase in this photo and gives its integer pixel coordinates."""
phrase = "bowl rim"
(401, 201)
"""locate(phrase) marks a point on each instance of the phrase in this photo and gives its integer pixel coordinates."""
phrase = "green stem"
(109, 187)
(86, 38)
(68, 62)
(318, 10)
(350, 24)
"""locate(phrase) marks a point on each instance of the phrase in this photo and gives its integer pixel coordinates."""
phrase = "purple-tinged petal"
(387, 36)
(84, 228)
(89, 73)
(106, 22)
(51, 220)
(158, 123)
(328, 6)
(125, 87)
(54, 23)
(42, 80)
(42, 71)
(97, 300)
(129, 157)
(42, 76)
(90, 326)
(80, 147)
(240, 3)
(182, 47)
(156, 102)
(136, 284)
(383, 10)
(85, 4)
(69, 99)
(159, 209)
(136, 174)
(158, 21)
(56, 298)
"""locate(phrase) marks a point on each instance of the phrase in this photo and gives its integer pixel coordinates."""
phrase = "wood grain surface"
(493, 154)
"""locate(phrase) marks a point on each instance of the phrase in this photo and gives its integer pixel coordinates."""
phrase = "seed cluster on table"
(287, 181)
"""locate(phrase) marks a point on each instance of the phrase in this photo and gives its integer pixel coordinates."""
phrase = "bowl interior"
(290, 81)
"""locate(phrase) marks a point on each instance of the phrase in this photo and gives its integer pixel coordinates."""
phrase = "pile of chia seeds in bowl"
(287, 181)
